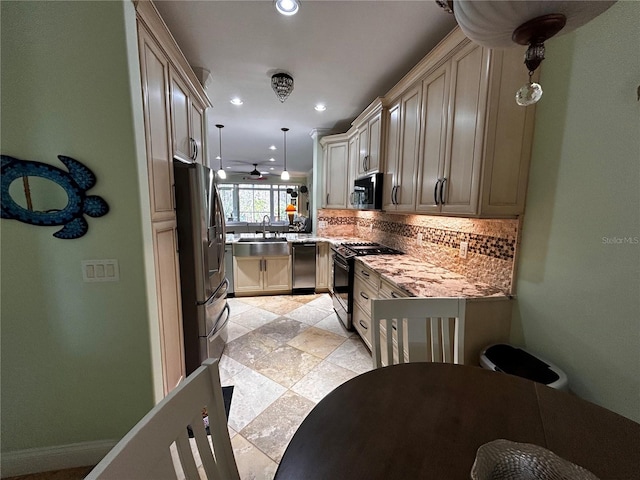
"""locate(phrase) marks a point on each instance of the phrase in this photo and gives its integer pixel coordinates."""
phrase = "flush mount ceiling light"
(236, 101)
(285, 174)
(273, 147)
(287, 7)
(320, 107)
(282, 84)
(504, 23)
(221, 173)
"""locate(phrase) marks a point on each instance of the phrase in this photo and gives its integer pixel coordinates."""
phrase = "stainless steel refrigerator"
(201, 242)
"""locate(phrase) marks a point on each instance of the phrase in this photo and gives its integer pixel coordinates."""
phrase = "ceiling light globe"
(222, 174)
(285, 175)
(320, 107)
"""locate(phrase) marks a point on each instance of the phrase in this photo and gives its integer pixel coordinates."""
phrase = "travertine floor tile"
(272, 430)
(281, 330)
(254, 318)
(235, 330)
(252, 463)
(252, 393)
(322, 301)
(228, 367)
(249, 348)
(322, 380)
(317, 342)
(333, 324)
(237, 306)
(352, 355)
(309, 314)
(286, 365)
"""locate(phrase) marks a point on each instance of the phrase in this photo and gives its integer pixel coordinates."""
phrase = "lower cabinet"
(261, 275)
(323, 266)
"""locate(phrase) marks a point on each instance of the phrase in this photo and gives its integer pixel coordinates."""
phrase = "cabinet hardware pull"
(444, 180)
(395, 194)
(327, 199)
(435, 192)
(363, 295)
(363, 325)
(394, 295)
(364, 273)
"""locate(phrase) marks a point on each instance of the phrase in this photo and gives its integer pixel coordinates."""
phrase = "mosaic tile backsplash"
(491, 249)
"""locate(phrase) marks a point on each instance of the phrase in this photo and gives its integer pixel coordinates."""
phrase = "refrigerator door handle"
(220, 291)
(215, 327)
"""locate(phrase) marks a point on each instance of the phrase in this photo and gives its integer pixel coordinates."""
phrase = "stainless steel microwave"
(367, 192)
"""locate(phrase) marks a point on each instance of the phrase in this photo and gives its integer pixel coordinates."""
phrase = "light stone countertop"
(422, 279)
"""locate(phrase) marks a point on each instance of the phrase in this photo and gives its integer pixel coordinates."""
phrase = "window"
(251, 202)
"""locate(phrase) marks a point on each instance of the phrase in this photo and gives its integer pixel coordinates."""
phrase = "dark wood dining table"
(427, 420)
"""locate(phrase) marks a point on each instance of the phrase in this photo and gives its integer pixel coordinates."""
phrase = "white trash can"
(517, 361)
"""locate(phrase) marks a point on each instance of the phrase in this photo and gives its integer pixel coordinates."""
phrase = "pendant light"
(221, 173)
(285, 174)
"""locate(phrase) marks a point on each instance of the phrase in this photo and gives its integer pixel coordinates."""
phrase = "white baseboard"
(34, 460)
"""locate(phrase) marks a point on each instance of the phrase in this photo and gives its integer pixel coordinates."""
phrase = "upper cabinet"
(336, 166)
(472, 155)
(369, 131)
(187, 115)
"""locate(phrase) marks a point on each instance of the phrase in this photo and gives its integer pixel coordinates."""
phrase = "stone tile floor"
(284, 354)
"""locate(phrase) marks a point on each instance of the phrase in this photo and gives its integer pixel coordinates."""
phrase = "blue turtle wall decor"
(75, 183)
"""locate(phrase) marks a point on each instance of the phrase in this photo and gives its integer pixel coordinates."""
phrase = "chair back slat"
(417, 329)
(158, 446)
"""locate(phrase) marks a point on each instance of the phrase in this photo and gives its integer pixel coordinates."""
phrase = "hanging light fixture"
(291, 211)
(221, 173)
(503, 23)
(285, 174)
(282, 84)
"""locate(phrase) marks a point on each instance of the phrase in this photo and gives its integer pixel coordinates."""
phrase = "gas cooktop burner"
(369, 248)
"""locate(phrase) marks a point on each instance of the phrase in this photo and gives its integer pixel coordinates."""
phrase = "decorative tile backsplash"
(491, 242)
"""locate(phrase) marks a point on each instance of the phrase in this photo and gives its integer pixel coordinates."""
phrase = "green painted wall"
(578, 284)
(76, 361)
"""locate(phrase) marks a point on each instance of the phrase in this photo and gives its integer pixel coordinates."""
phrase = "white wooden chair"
(422, 330)
(158, 446)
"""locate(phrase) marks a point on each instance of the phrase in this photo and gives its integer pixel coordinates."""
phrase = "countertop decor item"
(75, 183)
(506, 460)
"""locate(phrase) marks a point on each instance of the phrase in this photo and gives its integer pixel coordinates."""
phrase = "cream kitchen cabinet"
(369, 130)
(336, 167)
(476, 141)
(164, 71)
(187, 115)
(262, 275)
(402, 147)
(323, 266)
(352, 165)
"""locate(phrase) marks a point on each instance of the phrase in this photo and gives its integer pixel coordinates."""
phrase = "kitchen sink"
(261, 247)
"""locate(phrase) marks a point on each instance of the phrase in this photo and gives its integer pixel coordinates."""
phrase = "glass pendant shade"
(491, 23)
(285, 174)
(528, 94)
(221, 173)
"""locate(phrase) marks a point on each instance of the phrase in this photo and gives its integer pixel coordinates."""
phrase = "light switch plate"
(322, 224)
(100, 270)
(419, 239)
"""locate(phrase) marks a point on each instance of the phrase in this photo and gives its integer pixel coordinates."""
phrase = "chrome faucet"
(266, 220)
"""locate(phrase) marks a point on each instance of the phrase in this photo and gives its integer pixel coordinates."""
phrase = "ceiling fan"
(255, 174)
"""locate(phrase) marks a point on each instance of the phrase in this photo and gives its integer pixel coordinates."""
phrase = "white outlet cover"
(100, 270)
(419, 239)
(464, 246)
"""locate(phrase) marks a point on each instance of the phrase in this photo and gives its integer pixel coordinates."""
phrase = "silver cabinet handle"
(363, 325)
(364, 295)
(327, 199)
(435, 192)
(444, 180)
(364, 273)
(394, 295)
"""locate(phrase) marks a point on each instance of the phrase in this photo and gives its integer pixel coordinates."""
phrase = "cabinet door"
(363, 145)
(469, 80)
(375, 137)
(169, 303)
(247, 274)
(277, 273)
(393, 158)
(322, 266)
(352, 162)
(180, 110)
(336, 178)
(154, 70)
(435, 94)
(197, 132)
(406, 182)
(362, 324)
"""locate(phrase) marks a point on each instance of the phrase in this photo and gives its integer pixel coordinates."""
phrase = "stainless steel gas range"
(343, 259)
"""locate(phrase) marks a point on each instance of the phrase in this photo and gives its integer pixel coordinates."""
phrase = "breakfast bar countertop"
(423, 279)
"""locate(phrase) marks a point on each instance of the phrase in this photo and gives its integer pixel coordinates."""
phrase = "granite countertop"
(292, 237)
(422, 279)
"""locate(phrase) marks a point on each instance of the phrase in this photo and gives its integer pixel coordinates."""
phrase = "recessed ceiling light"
(272, 159)
(320, 107)
(236, 101)
(271, 168)
(218, 157)
(287, 7)
(272, 147)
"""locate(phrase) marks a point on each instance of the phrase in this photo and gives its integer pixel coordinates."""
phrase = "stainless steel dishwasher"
(304, 267)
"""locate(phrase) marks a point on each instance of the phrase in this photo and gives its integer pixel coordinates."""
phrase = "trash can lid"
(515, 361)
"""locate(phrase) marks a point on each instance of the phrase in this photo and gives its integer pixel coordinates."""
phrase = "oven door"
(341, 288)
